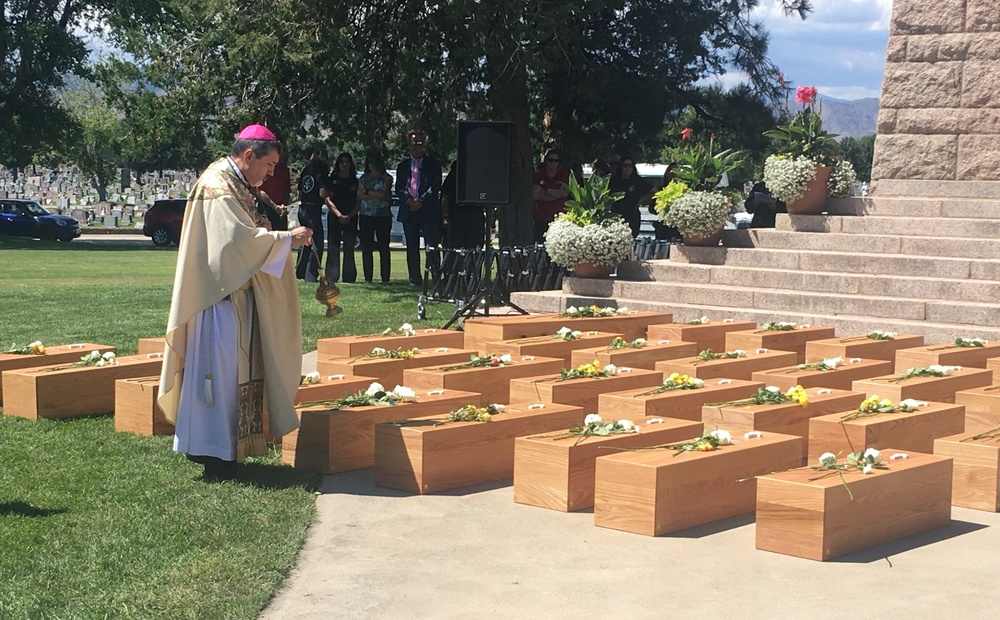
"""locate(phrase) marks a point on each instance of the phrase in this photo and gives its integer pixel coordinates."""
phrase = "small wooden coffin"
(940, 389)
(646, 357)
(681, 404)
(787, 418)
(151, 345)
(136, 410)
(479, 331)
(810, 514)
(994, 364)
(492, 382)
(57, 354)
(740, 368)
(840, 378)
(63, 391)
(982, 408)
(334, 440)
(946, 355)
(430, 455)
(556, 471)
(794, 340)
(711, 335)
(656, 492)
(551, 346)
(860, 346)
(583, 392)
(975, 480)
(353, 346)
(389, 372)
(915, 430)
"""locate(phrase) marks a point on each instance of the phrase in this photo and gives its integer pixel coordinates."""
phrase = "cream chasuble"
(228, 266)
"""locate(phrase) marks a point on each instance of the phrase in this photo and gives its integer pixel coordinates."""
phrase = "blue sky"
(839, 48)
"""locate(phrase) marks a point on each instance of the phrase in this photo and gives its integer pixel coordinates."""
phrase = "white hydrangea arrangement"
(842, 179)
(699, 214)
(605, 244)
(788, 177)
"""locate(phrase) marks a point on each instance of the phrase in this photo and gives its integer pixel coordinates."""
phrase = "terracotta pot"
(813, 202)
(590, 270)
(710, 241)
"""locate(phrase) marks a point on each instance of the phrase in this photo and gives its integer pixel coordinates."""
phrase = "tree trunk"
(509, 101)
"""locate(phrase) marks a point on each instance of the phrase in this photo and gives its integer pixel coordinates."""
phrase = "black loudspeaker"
(483, 175)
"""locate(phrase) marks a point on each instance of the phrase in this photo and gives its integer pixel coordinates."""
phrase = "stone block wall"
(940, 111)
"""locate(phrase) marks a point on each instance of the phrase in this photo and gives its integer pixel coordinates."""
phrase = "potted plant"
(588, 237)
(694, 202)
(807, 168)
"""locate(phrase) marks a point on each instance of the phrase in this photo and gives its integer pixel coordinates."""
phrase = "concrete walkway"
(376, 553)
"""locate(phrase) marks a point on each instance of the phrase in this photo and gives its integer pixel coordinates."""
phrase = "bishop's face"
(257, 169)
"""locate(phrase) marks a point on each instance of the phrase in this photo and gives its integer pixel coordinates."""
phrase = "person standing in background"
(375, 216)
(627, 181)
(551, 188)
(465, 224)
(278, 188)
(313, 192)
(342, 219)
(418, 187)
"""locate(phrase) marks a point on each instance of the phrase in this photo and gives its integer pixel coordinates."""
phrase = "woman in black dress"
(627, 181)
(343, 220)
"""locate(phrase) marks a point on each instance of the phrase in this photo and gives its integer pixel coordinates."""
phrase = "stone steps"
(664, 271)
(905, 226)
(933, 331)
(951, 247)
(841, 262)
(802, 301)
(895, 206)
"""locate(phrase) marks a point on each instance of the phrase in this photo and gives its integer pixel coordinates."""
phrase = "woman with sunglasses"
(551, 188)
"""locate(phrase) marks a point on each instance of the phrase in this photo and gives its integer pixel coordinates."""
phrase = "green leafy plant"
(590, 202)
(701, 169)
(804, 136)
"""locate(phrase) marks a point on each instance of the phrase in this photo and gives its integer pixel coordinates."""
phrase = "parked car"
(27, 218)
(162, 223)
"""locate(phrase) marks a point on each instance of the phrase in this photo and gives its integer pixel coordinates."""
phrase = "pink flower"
(806, 95)
(687, 133)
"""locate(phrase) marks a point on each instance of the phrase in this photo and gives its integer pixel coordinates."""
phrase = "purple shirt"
(415, 178)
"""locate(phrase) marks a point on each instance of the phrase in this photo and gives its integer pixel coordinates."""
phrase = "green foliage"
(97, 136)
(861, 153)
(590, 202)
(701, 169)
(668, 195)
(804, 137)
(735, 119)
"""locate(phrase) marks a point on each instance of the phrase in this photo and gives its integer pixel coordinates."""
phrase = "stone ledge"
(902, 187)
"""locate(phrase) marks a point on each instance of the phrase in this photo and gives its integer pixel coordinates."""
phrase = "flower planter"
(814, 200)
(703, 241)
(590, 270)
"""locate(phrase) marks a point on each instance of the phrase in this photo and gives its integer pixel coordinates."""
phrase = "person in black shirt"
(636, 190)
(465, 224)
(342, 219)
(313, 192)
(763, 206)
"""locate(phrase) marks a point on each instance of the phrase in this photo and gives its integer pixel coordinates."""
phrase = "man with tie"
(418, 188)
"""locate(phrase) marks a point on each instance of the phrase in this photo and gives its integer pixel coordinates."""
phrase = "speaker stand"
(470, 307)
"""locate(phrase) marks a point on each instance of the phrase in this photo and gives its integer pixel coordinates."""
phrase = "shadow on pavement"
(886, 551)
(362, 483)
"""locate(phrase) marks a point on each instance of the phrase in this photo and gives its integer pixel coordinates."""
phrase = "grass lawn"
(98, 524)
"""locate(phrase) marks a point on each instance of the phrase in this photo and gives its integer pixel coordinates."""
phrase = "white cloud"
(841, 45)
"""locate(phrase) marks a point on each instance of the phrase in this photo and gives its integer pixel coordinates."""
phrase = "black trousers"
(375, 235)
(308, 265)
(431, 233)
(343, 236)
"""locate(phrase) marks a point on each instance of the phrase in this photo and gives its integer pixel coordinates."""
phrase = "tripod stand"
(487, 287)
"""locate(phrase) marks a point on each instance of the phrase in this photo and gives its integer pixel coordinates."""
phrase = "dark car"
(162, 223)
(27, 218)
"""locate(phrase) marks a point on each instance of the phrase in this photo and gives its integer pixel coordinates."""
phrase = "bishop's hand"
(301, 236)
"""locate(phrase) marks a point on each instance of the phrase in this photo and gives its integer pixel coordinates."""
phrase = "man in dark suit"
(418, 188)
